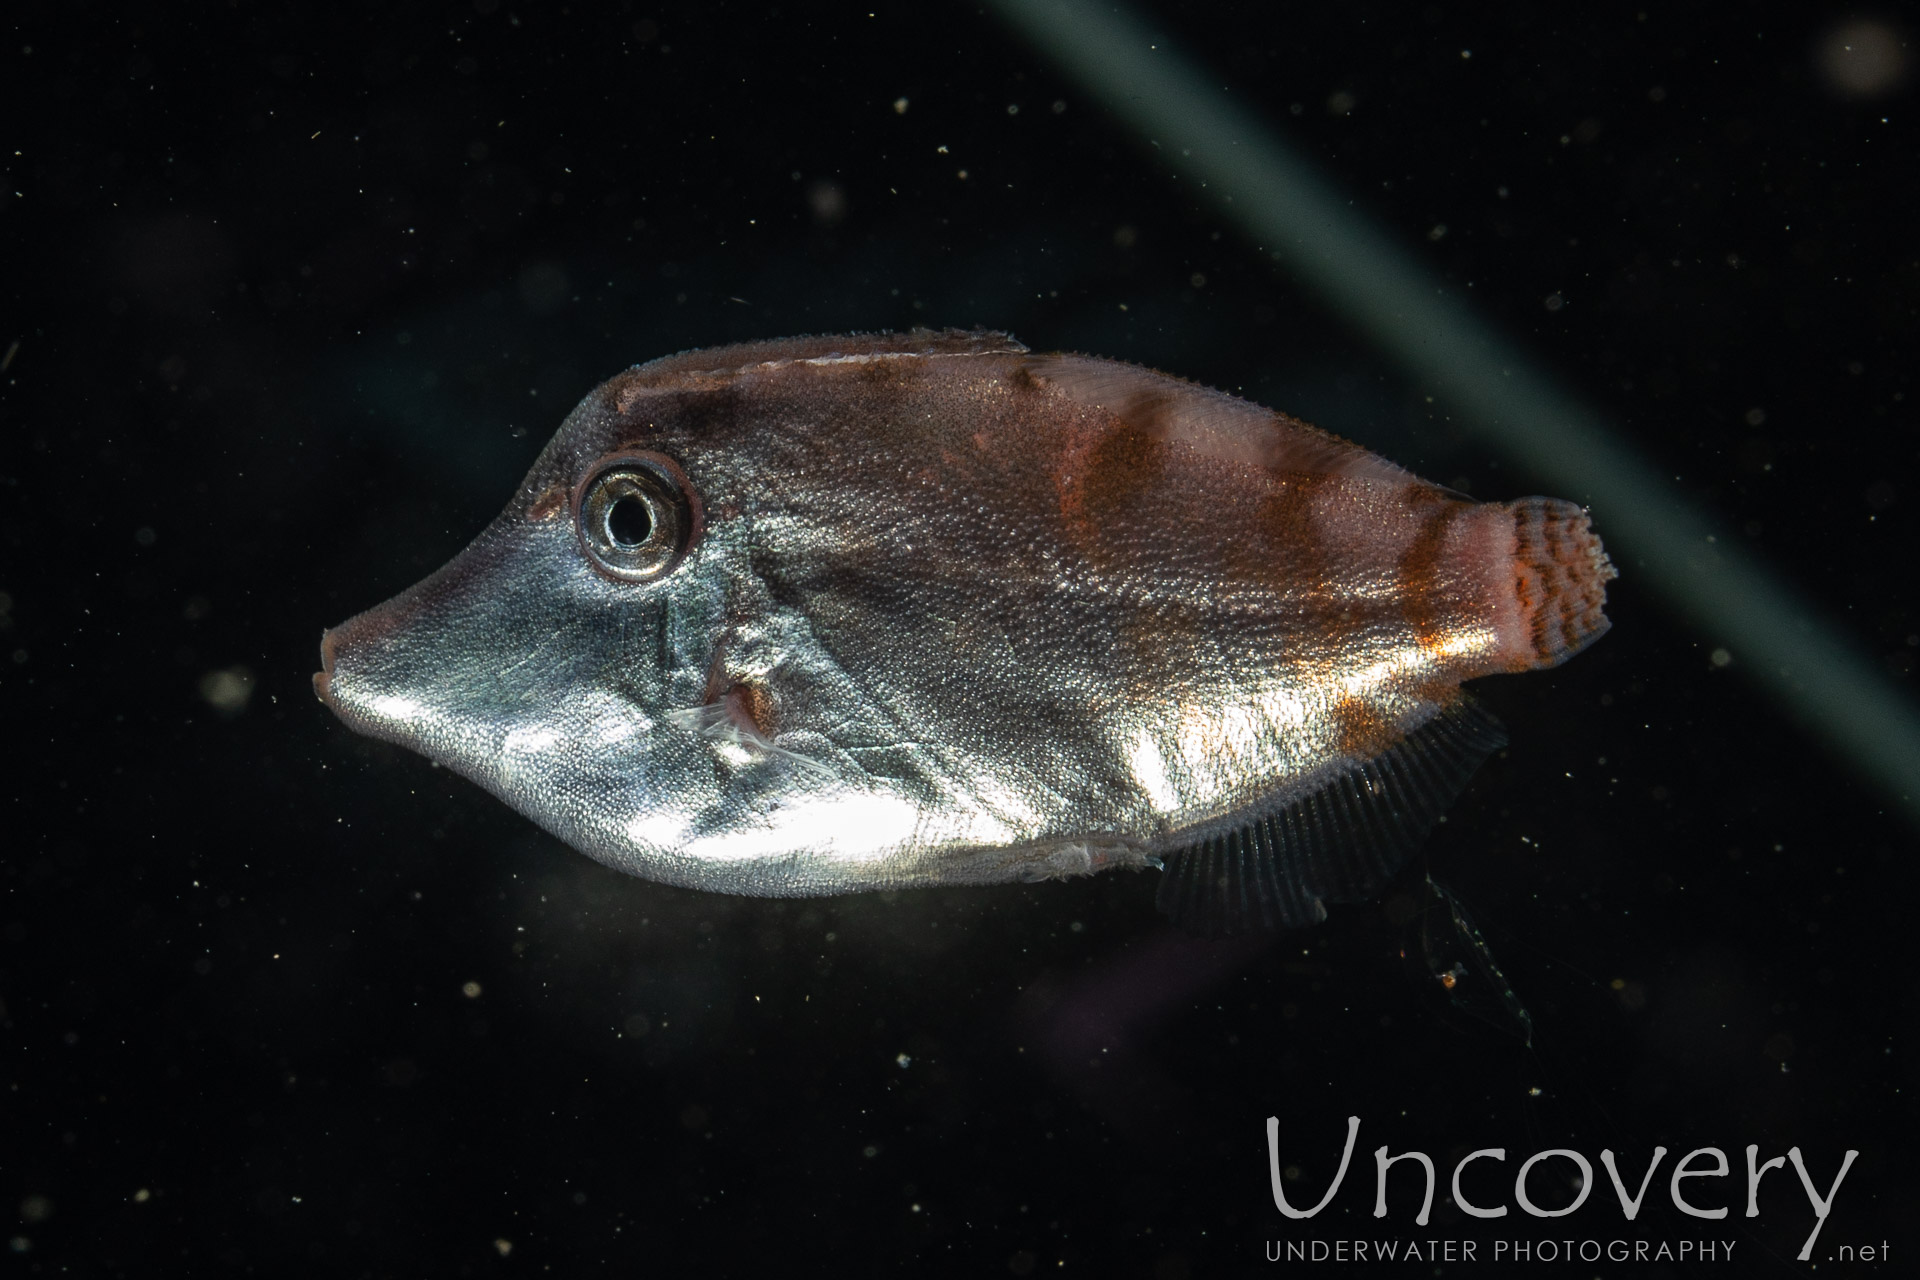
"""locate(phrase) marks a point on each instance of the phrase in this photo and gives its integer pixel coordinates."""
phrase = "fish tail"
(1560, 573)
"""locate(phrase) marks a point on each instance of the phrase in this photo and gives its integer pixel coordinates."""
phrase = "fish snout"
(341, 682)
(368, 670)
(323, 678)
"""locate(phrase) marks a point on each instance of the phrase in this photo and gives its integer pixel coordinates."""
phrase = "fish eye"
(636, 518)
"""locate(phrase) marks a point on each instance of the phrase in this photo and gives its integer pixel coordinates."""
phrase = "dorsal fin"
(1343, 843)
(827, 346)
(1169, 409)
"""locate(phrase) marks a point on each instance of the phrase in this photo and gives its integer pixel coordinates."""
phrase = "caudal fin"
(1560, 572)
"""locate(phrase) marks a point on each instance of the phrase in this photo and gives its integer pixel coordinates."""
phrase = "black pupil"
(628, 522)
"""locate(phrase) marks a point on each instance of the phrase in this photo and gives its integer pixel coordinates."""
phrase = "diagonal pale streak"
(1385, 293)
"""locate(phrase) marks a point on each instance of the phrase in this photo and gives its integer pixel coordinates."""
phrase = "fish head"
(575, 660)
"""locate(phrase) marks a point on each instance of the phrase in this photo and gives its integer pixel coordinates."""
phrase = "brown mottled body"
(1250, 548)
(1045, 613)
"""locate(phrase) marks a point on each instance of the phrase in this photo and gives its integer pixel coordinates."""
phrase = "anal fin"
(1343, 843)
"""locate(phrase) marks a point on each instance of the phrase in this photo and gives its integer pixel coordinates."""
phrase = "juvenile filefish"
(860, 612)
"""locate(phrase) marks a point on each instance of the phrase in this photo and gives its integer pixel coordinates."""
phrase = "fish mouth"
(359, 664)
(323, 678)
(339, 683)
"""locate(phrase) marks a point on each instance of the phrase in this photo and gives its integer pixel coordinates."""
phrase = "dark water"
(295, 294)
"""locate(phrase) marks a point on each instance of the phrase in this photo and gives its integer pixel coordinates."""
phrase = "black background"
(299, 290)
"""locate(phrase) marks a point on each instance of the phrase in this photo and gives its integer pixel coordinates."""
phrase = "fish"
(833, 614)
